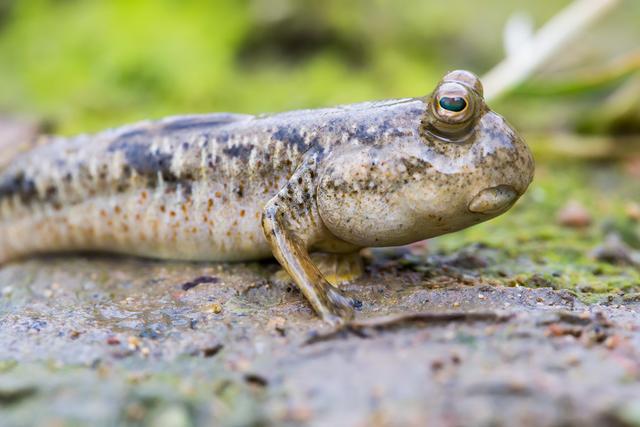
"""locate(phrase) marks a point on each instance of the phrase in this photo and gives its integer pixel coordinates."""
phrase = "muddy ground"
(522, 321)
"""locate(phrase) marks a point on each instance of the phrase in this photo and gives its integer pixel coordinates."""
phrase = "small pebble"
(299, 414)
(212, 351)
(573, 360)
(437, 365)
(632, 166)
(612, 342)
(133, 342)
(574, 215)
(615, 251)
(113, 341)
(135, 411)
(174, 415)
(632, 210)
(276, 324)
(215, 308)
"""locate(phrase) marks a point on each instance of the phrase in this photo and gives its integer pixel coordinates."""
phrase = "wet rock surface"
(101, 341)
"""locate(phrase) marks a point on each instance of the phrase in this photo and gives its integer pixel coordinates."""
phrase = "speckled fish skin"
(227, 187)
(182, 188)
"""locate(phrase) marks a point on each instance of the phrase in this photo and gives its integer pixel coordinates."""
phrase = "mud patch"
(427, 348)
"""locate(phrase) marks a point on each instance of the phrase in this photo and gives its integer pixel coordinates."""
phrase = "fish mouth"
(493, 200)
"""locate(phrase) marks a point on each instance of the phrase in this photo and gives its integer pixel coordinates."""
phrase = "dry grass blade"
(547, 42)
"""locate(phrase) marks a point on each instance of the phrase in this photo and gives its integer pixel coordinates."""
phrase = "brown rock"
(632, 210)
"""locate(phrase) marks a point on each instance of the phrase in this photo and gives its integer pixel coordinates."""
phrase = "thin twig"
(362, 328)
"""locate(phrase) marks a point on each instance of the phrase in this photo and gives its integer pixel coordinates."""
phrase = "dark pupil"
(453, 103)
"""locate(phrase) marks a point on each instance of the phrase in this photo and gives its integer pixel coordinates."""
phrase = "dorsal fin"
(195, 121)
(147, 129)
(20, 135)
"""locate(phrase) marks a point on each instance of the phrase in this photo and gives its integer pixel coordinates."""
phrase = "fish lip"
(494, 200)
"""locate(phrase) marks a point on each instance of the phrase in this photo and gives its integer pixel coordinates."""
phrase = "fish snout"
(494, 199)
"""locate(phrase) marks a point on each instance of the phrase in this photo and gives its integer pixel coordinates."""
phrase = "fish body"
(189, 187)
(232, 187)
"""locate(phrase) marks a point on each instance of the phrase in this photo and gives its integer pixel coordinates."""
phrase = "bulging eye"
(453, 111)
(454, 107)
(455, 104)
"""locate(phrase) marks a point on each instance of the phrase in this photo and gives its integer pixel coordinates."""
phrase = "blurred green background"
(86, 65)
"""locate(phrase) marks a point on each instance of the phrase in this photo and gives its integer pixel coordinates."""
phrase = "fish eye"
(455, 104)
(454, 108)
